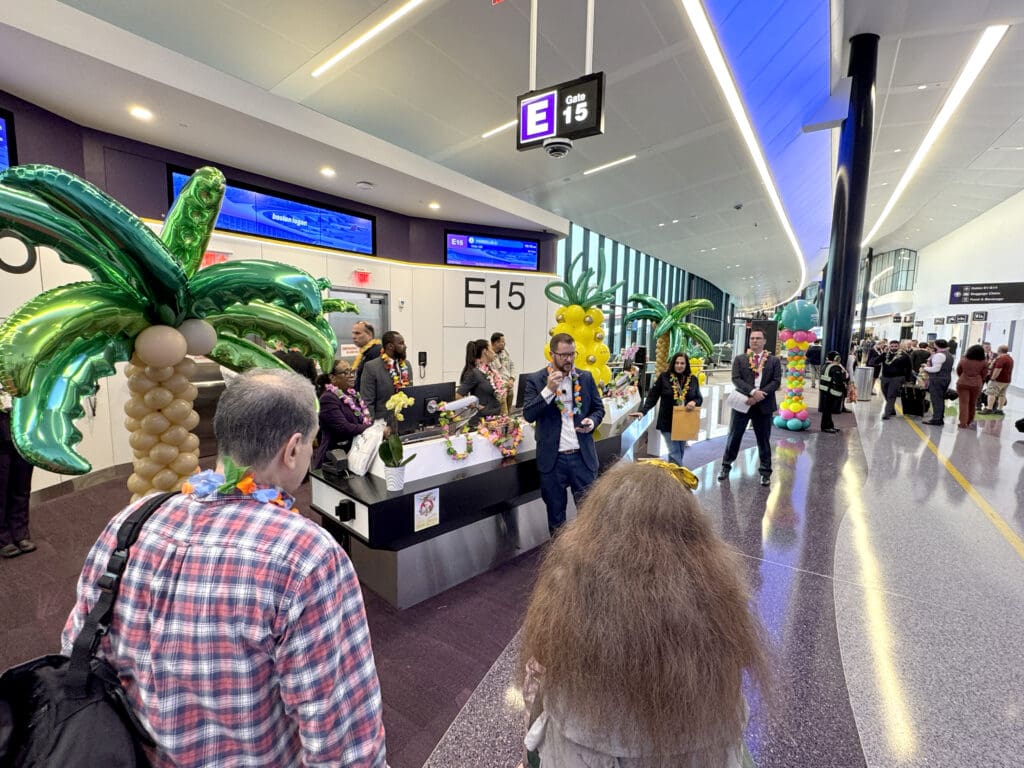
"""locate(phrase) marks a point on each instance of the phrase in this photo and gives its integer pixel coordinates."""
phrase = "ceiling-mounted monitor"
(8, 154)
(465, 249)
(253, 211)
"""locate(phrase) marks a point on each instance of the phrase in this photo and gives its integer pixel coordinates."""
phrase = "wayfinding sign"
(986, 293)
(570, 110)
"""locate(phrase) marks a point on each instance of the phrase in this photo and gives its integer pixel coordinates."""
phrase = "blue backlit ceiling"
(779, 54)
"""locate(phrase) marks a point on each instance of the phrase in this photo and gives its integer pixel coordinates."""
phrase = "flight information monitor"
(7, 158)
(490, 252)
(252, 211)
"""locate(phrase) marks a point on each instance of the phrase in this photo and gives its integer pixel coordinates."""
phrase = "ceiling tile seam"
(275, 32)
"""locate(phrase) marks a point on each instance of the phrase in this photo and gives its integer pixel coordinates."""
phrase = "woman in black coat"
(478, 379)
(676, 386)
(832, 391)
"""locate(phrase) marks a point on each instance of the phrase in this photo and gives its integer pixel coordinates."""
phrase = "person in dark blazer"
(343, 414)
(757, 375)
(565, 407)
(369, 347)
(297, 362)
(676, 386)
(480, 381)
(385, 375)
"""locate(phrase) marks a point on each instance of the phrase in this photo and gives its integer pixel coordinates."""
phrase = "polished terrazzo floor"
(887, 563)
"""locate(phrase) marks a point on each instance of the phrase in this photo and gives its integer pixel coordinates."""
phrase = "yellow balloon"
(574, 314)
(547, 353)
(596, 316)
(163, 454)
(605, 374)
(157, 423)
(602, 353)
(157, 398)
(562, 328)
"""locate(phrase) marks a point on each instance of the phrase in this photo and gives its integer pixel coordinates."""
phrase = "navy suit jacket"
(547, 419)
(771, 380)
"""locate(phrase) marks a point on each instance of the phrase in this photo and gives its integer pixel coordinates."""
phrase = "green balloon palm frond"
(57, 346)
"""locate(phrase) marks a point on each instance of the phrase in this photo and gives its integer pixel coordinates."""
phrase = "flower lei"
(503, 432)
(399, 373)
(236, 478)
(577, 394)
(678, 396)
(760, 365)
(447, 418)
(354, 402)
(499, 384)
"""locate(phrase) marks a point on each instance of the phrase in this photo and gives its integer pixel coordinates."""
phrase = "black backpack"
(72, 712)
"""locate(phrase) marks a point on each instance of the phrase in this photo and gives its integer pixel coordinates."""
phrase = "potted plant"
(391, 453)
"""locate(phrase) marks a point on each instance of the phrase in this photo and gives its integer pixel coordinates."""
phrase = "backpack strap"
(98, 621)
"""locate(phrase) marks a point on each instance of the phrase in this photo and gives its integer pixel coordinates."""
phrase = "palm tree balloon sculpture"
(148, 302)
(671, 330)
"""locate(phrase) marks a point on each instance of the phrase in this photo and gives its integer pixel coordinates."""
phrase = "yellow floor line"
(994, 517)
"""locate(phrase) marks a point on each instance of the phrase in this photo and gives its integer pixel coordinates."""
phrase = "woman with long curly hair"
(638, 633)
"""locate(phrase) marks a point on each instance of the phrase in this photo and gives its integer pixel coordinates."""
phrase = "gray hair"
(260, 411)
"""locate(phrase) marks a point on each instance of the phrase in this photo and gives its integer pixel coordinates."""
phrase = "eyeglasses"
(563, 354)
(346, 372)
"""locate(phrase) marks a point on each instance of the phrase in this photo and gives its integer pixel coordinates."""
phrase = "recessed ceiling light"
(703, 250)
(885, 183)
(434, 205)
(714, 249)
(499, 129)
(662, 224)
(921, 87)
(954, 205)
(613, 163)
(140, 113)
(675, 221)
(329, 172)
(897, 150)
(367, 36)
(365, 185)
(983, 50)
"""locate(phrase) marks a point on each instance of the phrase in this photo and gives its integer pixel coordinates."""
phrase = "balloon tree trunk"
(661, 355)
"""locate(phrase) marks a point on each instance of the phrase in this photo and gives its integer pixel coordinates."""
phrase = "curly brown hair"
(641, 620)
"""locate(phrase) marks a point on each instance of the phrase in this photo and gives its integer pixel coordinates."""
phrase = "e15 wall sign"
(476, 290)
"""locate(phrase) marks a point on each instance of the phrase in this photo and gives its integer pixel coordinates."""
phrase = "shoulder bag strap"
(98, 620)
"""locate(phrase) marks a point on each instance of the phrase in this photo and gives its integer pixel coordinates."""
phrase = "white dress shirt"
(568, 440)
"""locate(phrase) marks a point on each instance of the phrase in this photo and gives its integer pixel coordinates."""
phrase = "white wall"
(428, 307)
(988, 249)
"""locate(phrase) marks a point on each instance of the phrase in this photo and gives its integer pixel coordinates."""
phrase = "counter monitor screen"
(466, 250)
(7, 158)
(251, 211)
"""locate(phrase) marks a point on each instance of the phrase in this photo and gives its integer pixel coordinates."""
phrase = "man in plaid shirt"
(239, 631)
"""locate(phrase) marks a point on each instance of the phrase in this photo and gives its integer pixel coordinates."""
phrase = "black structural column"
(868, 261)
(851, 193)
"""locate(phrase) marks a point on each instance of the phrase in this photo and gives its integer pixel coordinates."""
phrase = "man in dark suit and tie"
(566, 408)
(757, 375)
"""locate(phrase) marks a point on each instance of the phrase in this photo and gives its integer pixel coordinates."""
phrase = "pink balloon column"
(792, 411)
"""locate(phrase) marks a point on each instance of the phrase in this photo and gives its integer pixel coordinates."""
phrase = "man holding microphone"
(566, 408)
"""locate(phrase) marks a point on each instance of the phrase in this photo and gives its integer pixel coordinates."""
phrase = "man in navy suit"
(757, 375)
(566, 408)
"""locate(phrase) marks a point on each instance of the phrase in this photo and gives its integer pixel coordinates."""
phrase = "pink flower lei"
(499, 384)
(354, 401)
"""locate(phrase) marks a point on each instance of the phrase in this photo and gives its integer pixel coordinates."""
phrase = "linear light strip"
(983, 51)
(499, 129)
(612, 164)
(875, 279)
(709, 43)
(368, 36)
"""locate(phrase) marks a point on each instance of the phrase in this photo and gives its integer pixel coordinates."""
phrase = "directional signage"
(897, 318)
(919, 323)
(986, 293)
(571, 110)
(979, 316)
(939, 321)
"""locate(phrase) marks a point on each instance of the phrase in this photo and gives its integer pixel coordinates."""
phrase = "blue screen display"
(264, 215)
(465, 250)
(5, 153)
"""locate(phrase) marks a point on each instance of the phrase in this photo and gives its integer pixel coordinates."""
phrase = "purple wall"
(135, 174)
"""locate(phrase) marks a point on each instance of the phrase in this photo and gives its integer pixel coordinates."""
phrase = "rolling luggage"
(915, 400)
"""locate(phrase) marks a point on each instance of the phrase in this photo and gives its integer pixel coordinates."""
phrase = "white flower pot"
(394, 478)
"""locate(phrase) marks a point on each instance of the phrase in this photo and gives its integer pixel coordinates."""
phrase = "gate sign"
(978, 316)
(570, 110)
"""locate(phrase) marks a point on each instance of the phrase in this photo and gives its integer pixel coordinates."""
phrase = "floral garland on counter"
(503, 432)
(447, 419)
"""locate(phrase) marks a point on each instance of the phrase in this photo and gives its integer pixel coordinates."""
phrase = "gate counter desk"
(453, 519)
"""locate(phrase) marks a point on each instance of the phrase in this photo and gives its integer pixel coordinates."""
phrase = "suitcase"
(915, 401)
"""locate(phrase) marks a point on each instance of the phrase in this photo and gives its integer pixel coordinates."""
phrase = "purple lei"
(355, 403)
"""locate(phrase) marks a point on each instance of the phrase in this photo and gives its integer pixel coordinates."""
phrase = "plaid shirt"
(240, 637)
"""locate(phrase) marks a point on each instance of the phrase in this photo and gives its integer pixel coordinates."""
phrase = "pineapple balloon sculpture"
(797, 320)
(149, 303)
(580, 316)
